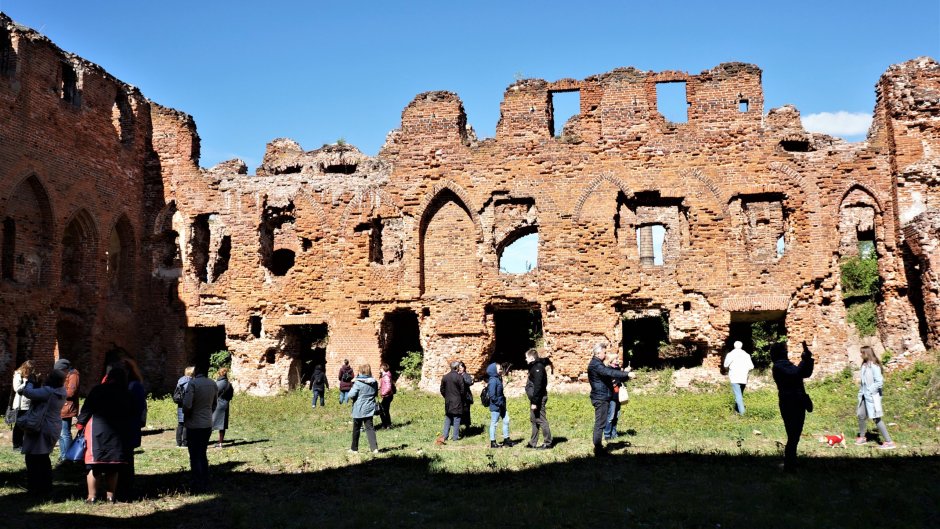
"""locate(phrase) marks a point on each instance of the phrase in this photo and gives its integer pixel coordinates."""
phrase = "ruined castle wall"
(71, 182)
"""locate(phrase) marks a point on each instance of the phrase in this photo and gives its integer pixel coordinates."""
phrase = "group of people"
(115, 411)
(109, 423)
(458, 399)
(793, 400)
(202, 407)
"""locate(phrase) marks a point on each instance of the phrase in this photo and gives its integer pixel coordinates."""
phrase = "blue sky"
(316, 72)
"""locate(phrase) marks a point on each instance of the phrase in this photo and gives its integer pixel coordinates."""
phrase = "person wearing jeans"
(601, 380)
(70, 409)
(497, 405)
(739, 364)
(199, 401)
(345, 376)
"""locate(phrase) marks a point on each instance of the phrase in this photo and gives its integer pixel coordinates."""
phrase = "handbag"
(622, 396)
(10, 416)
(76, 451)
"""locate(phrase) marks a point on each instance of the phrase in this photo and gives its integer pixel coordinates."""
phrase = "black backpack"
(485, 396)
(178, 394)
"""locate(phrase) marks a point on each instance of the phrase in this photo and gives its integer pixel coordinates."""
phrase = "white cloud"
(839, 123)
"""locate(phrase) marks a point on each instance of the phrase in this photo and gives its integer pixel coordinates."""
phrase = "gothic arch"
(79, 248)
(28, 226)
(448, 254)
(589, 190)
(121, 259)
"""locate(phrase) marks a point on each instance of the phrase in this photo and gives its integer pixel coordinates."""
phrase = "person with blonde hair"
(178, 399)
(220, 415)
(21, 376)
(362, 394)
(868, 403)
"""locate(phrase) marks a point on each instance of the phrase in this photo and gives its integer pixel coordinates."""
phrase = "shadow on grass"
(653, 490)
(242, 442)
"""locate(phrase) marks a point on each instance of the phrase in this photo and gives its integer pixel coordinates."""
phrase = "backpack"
(485, 396)
(178, 394)
(346, 376)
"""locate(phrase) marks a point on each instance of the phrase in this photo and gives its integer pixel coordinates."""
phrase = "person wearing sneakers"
(497, 405)
(362, 394)
(869, 399)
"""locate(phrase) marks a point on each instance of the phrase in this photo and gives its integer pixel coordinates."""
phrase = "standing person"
(868, 403)
(318, 385)
(225, 392)
(452, 389)
(536, 389)
(199, 401)
(739, 364)
(465, 420)
(21, 376)
(387, 392)
(791, 396)
(362, 394)
(346, 375)
(497, 405)
(135, 385)
(601, 379)
(70, 408)
(37, 444)
(613, 409)
(106, 421)
(178, 393)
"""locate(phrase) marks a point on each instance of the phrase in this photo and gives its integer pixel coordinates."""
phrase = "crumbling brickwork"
(115, 237)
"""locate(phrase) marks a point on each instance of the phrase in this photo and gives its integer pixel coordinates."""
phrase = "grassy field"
(685, 461)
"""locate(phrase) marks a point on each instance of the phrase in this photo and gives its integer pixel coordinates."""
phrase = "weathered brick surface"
(304, 260)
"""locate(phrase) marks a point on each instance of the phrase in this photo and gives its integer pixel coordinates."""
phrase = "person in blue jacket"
(497, 405)
(362, 394)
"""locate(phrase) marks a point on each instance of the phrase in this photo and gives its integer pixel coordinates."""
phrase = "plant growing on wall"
(411, 365)
(860, 286)
(764, 334)
(218, 360)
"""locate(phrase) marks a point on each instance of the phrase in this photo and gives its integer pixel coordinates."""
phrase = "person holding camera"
(791, 396)
(602, 379)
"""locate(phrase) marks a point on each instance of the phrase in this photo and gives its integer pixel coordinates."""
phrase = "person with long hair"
(21, 376)
(362, 394)
(387, 392)
(868, 403)
(220, 415)
(106, 420)
(37, 444)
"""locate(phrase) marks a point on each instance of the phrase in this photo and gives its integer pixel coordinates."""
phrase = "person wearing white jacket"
(739, 364)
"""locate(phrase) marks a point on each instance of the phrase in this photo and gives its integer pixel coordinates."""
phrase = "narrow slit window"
(70, 93)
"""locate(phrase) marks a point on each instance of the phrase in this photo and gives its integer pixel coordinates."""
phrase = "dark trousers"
(540, 421)
(385, 411)
(370, 433)
(197, 441)
(38, 474)
(180, 434)
(601, 408)
(18, 432)
(793, 411)
(125, 483)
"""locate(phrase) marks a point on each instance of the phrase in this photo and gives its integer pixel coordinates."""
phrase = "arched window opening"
(519, 253)
(120, 256)
(9, 248)
(77, 250)
(122, 117)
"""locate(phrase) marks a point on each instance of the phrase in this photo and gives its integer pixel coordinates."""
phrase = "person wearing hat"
(739, 364)
(70, 409)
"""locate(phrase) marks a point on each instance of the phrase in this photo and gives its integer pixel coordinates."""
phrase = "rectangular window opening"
(742, 105)
(70, 93)
(564, 106)
(672, 101)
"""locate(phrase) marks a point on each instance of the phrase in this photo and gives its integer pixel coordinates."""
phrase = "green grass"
(686, 461)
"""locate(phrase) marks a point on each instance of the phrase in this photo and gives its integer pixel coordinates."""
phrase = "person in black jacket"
(601, 379)
(319, 383)
(536, 388)
(453, 390)
(791, 396)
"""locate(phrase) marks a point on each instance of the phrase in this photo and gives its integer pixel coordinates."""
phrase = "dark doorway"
(516, 330)
(757, 331)
(400, 335)
(642, 338)
(201, 342)
(306, 344)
